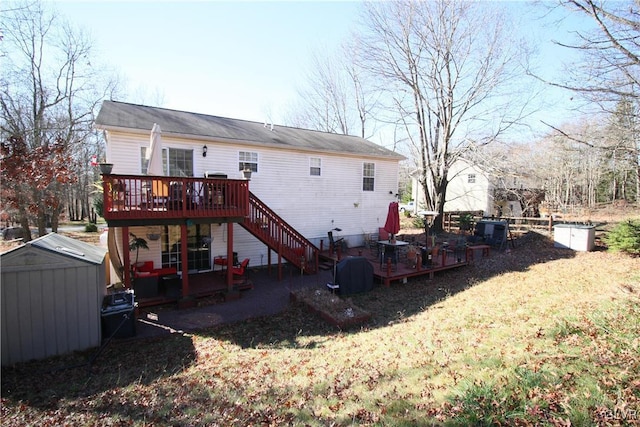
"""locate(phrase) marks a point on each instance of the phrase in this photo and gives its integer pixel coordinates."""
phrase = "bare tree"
(48, 96)
(607, 75)
(448, 70)
(620, 146)
(610, 65)
(335, 98)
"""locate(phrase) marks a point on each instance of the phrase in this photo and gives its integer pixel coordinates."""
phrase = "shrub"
(91, 228)
(466, 222)
(418, 222)
(625, 237)
(98, 205)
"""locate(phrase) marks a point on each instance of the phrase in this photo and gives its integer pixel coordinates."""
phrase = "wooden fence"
(517, 225)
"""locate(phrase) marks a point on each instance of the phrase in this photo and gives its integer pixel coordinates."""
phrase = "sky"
(235, 59)
(239, 59)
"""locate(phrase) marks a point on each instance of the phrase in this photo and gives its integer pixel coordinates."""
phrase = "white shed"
(52, 290)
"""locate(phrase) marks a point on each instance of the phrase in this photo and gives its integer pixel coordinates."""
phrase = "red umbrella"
(392, 226)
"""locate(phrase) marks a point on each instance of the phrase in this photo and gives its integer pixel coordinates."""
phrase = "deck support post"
(184, 260)
(229, 256)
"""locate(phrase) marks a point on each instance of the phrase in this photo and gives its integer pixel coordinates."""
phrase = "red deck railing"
(136, 198)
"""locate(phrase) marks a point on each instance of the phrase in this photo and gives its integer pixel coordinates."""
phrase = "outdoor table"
(390, 250)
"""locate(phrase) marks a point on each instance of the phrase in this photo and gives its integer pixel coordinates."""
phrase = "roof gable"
(122, 116)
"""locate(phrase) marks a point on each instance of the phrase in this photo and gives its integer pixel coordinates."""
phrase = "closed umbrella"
(392, 225)
(154, 153)
(158, 190)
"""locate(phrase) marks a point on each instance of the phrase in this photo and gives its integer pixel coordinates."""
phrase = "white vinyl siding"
(469, 189)
(285, 184)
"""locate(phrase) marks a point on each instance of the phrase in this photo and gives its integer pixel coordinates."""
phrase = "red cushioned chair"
(240, 270)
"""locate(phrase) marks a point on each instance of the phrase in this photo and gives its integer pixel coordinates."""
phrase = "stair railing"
(280, 236)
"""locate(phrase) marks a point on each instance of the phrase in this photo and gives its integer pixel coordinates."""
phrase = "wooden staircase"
(280, 237)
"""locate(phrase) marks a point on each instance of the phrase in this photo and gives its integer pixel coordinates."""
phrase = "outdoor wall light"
(204, 151)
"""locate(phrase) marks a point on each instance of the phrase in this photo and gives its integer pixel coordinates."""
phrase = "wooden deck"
(131, 200)
(213, 284)
(404, 269)
(201, 285)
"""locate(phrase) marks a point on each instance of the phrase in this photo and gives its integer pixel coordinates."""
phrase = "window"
(175, 162)
(471, 178)
(315, 166)
(248, 160)
(144, 164)
(180, 162)
(368, 176)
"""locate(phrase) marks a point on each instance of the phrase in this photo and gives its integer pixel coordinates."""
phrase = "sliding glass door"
(198, 247)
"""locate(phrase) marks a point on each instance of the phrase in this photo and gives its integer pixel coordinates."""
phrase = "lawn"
(530, 336)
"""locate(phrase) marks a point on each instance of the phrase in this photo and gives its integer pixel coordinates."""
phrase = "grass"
(536, 336)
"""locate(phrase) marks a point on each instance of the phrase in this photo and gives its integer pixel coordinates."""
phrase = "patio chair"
(383, 234)
(371, 242)
(240, 271)
(333, 243)
(157, 193)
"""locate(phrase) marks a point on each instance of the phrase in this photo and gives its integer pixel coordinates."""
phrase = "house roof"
(140, 118)
(63, 246)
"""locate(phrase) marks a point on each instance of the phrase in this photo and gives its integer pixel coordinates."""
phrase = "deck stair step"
(325, 266)
(279, 236)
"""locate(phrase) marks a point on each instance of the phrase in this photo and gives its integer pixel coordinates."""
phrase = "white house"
(314, 181)
(469, 189)
(472, 188)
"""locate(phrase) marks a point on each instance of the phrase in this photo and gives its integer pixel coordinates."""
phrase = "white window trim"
(319, 166)
(256, 163)
(372, 177)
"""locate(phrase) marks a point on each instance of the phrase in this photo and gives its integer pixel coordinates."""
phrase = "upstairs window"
(248, 160)
(315, 166)
(175, 162)
(471, 178)
(368, 176)
(180, 162)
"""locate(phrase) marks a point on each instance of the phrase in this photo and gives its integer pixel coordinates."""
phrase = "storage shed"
(574, 236)
(52, 290)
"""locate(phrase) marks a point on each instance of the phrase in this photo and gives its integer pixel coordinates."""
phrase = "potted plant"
(246, 173)
(412, 254)
(136, 243)
(105, 168)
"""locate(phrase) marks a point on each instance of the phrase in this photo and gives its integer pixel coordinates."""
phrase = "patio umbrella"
(392, 225)
(154, 153)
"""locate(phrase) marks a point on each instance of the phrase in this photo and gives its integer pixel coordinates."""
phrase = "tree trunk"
(55, 218)
(24, 223)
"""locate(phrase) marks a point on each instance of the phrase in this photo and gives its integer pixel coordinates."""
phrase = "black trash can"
(118, 315)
